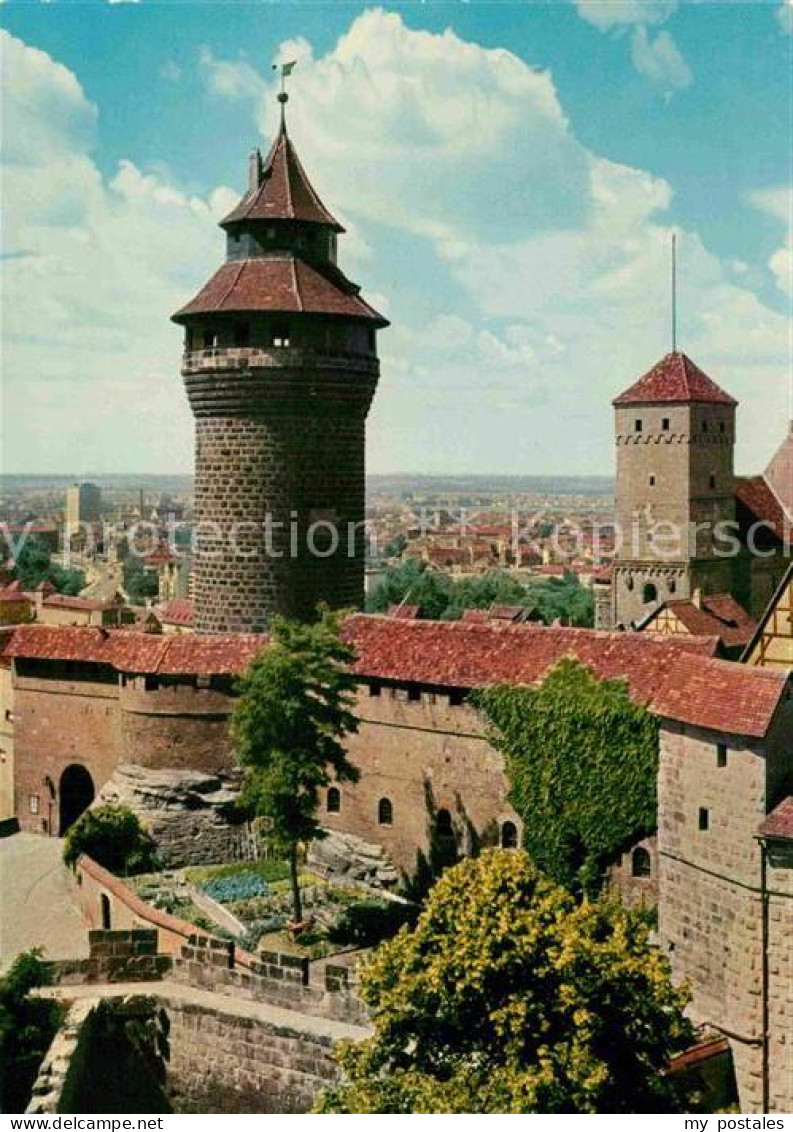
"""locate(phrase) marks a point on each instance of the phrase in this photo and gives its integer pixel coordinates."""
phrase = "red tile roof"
(279, 282)
(83, 604)
(779, 473)
(718, 616)
(284, 192)
(674, 378)
(675, 676)
(180, 611)
(761, 505)
(131, 651)
(15, 593)
(720, 695)
(779, 823)
(469, 654)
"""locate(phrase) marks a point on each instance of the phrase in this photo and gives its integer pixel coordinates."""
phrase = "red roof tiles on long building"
(674, 378)
(281, 283)
(676, 677)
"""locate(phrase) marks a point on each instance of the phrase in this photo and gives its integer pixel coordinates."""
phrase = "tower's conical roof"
(779, 473)
(284, 192)
(675, 378)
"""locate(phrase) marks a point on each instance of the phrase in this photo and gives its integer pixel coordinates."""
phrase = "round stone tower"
(280, 366)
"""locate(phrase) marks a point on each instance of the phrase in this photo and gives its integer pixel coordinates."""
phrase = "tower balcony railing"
(263, 357)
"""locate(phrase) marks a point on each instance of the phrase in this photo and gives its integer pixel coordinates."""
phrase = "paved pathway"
(225, 1003)
(37, 907)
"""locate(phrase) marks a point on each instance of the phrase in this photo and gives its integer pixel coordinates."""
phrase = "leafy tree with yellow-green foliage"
(510, 997)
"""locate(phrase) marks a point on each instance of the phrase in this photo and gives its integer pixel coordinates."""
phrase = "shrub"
(368, 922)
(27, 1026)
(254, 932)
(114, 838)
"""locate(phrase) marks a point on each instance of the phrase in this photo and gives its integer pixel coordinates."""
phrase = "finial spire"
(286, 70)
(674, 292)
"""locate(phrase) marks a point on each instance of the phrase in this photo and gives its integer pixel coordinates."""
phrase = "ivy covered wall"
(582, 760)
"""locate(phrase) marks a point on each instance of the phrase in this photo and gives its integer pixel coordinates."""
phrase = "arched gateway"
(76, 794)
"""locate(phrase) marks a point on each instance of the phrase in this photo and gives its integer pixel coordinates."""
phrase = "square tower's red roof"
(674, 378)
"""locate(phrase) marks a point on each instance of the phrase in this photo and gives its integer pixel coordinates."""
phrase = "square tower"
(675, 496)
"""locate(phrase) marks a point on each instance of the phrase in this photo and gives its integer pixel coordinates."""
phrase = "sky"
(509, 176)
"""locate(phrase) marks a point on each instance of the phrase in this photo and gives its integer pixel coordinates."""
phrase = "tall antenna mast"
(674, 292)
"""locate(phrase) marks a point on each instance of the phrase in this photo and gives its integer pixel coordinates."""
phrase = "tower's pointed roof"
(283, 192)
(779, 473)
(674, 378)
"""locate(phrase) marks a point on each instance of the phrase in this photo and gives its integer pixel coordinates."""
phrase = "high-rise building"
(280, 367)
(83, 505)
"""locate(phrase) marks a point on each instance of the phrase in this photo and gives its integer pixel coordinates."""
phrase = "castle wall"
(423, 755)
(710, 891)
(59, 723)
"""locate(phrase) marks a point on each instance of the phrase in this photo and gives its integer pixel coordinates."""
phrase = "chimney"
(254, 171)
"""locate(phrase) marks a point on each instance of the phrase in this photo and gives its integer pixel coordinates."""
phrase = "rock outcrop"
(191, 816)
(344, 856)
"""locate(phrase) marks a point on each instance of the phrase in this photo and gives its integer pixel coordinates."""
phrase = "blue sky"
(510, 176)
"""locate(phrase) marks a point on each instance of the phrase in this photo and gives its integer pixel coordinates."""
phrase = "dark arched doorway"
(76, 794)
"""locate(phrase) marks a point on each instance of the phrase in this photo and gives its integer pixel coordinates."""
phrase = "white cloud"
(784, 15)
(659, 59)
(527, 277)
(607, 14)
(778, 202)
(94, 269)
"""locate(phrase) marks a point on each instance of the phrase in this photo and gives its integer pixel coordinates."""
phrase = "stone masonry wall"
(58, 723)
(224, 1062)
(285, 443)
(710, 917)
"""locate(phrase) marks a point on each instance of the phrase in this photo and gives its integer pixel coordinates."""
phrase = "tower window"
(372, 341)
(649, 593)
(652, 481)
(721, 754)
(637, 426)
(280, 336)
(242, 334)
(385, 812)
(704, 426)
(509, 835)
(414, 694)
(704, 819)
(641, 864)
(334, 800)
(665, 424)
(722, 426)
(210, 339)
(375, 689)
(712, 480)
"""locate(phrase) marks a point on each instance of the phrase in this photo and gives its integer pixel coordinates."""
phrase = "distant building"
(771, 646)
(83, 505)
(717, 616)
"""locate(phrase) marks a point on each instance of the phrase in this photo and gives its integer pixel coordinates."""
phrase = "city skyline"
(509, 213)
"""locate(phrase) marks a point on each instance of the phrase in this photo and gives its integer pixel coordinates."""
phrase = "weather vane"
(286, 70)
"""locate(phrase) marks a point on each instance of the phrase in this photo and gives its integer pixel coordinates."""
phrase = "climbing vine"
(581, 758)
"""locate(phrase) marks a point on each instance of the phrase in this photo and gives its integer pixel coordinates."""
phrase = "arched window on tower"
(334, 800)
(385, 812)
(641, 864)
(280, 337)
(649, 593)
(509, 835)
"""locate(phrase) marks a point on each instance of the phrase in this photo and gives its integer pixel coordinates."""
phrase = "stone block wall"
(122, 956)
(224, 1062)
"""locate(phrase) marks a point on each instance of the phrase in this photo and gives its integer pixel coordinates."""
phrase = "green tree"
(294, 710)
(140, 584)
(34, 565)
(27, 1026)
(413, 583)
(114, 838)
(582, 759)
(563, 599)
(509, 997)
